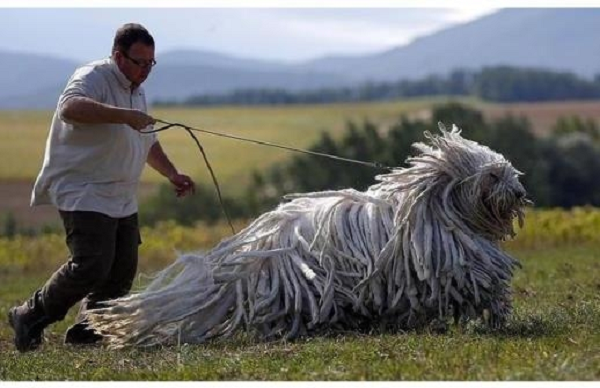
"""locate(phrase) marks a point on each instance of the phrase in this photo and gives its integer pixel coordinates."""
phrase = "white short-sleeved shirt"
(94, 167)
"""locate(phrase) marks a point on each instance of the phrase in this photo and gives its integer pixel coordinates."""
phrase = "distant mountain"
(183, 73)
(178, 81)
(212, 59)
(44, 98)
(550, 38)
(562, 39)
(32, 81)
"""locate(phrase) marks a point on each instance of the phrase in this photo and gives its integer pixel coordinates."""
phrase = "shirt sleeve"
(85, 82)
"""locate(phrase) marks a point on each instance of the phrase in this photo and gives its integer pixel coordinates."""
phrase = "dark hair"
(131, 33)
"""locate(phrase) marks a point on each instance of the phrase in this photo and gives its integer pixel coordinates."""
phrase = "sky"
(263, 32)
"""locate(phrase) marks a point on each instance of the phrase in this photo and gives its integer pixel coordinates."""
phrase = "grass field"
(553, 334)
(24, 135)
(24, 132)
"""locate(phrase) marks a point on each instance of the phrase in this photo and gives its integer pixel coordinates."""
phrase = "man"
(94, 157)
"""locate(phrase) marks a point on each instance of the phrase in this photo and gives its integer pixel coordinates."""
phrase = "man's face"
(136, 63)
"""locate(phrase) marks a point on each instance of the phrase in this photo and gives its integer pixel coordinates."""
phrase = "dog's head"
(486, 190)
(477, 187)
(451, 206)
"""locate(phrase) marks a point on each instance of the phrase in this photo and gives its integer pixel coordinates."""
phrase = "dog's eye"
(495, 177)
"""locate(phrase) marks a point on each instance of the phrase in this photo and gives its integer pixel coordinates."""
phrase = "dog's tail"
(253, 278)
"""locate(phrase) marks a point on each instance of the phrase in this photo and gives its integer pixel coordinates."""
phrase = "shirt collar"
(123, 81)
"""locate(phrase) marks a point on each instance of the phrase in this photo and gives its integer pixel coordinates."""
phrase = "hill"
(558, 39)
(549, 38)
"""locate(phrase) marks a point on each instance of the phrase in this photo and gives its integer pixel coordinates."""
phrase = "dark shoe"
(28, 326)
(81, 334)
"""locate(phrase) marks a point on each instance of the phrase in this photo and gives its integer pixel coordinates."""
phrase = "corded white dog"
(421, 245)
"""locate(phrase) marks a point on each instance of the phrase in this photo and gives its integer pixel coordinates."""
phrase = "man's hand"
(138, 120)
(184, 185)
(159, 161)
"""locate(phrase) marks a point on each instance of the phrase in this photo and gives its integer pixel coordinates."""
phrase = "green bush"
(203, 205)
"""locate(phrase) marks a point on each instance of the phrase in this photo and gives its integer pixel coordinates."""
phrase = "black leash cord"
(268, 144)
(190, 130)
(212, 173)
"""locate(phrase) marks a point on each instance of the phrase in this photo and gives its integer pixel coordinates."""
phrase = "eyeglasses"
(139, 62)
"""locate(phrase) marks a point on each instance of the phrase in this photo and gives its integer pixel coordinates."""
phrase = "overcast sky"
(284, 34)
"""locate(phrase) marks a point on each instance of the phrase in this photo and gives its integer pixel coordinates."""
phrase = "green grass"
(552, 335)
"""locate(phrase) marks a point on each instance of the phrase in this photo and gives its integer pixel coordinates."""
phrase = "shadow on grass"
(556, 322)
(526, 327)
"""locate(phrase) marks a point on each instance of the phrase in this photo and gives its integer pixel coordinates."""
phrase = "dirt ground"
(543, 116)
(14, 199)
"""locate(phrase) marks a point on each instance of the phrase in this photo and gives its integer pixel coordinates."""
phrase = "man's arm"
(88, 111)
(158, 160)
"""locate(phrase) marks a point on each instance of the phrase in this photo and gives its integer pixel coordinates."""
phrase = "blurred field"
(24, 134)
(553, 334)
(543, 116)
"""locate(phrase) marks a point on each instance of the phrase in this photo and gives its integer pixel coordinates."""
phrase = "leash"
(212, 173)
(191, 130)
(268, 144)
